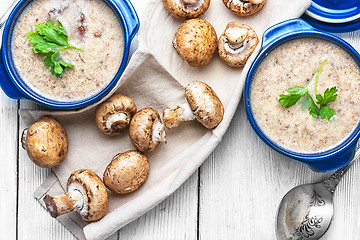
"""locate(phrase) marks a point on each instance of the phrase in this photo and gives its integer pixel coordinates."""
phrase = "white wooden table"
(233, 195)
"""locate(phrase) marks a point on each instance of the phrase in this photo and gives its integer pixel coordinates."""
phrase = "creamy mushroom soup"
(91, 26)
(292, 64)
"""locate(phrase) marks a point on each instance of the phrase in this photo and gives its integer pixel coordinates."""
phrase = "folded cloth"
(156, 77)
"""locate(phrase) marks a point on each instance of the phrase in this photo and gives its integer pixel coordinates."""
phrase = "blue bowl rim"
(304, 157)
(28, 92)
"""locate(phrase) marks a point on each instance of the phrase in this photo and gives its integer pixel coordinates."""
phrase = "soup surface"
(293, 64)
(92, 26)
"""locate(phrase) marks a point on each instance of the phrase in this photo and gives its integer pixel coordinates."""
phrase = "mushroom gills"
(61, 204)
(176, 116)
(191, 5)
(158, 134)
(117, 121)
(238, 49)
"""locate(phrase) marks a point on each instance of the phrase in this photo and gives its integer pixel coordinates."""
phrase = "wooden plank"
(174, 218)
(8, 169)
(242, 184)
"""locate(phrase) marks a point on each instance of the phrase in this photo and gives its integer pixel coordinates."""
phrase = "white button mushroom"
(146, 130)
(186, 9)
(236, 44)
(126, 172)
(46, 142)
(202, 104)
(86, 194)
(196, 42)
(115, 114)
(244, 7)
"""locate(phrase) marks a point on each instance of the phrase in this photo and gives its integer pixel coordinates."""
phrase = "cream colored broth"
(292, 64)
(92, 26)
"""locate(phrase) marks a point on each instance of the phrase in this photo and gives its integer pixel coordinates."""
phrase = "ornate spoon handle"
(4, 17)
(331, 183)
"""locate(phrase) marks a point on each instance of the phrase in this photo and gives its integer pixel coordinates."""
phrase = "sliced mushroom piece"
(196, 42)
(86, 194)
(186, 9)
(244, 7)
(236, 44)
(46, 142)
(202, 104)
(146, 130)
(126, 172)
(115, 114)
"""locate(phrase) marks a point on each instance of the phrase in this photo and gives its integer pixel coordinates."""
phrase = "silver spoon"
(306, 211)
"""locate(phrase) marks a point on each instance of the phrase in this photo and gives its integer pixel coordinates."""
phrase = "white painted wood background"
(233, 195)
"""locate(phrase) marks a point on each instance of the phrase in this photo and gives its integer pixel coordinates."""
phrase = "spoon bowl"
(306, 211)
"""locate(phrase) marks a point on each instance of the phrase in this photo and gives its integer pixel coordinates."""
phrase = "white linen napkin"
(156, 77)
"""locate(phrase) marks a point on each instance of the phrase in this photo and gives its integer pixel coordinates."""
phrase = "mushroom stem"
(61, 204)
(158, 132)
(117, 121)
(236, 36)
(176, 116)
(189, 2)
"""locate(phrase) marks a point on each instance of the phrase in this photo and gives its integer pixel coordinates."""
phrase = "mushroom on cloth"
(202, 104)
(186, 9)
(146, 130)
(244, 7)
(196, 42)
(236, 44)
(115, 114)
(86, 194)
(46, 142)
(126, 172)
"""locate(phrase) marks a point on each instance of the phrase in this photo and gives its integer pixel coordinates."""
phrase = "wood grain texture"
(8, 169)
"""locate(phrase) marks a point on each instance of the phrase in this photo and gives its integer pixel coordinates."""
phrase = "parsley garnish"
(50, 40)
(318, 109)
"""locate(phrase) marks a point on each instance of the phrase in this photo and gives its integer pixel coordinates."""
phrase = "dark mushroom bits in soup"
(305, 95)
(90, 41)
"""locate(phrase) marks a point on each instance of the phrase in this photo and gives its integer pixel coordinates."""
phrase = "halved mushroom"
(46, 142)
(126, 172)
(86, 194)
(202, 104)
(237, 43)
(146, 130)
(115, 114)
(186, 9)
(196, 42)
(244, 7)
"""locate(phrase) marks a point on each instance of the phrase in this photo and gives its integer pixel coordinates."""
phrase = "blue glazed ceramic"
(334, 15)
(273, 37)
(14, 87)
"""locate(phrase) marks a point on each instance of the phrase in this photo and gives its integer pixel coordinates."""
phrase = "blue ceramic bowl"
(273, 37)
(14, 87)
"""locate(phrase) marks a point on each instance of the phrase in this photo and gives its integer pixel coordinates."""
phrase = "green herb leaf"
(318, 109)
(294, 95)
(327, 112)
(329, 96)
(50, 40)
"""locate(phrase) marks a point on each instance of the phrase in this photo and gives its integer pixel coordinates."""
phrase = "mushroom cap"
(141, 130)
(179, 9)
(94, 193)
(46, 142)
(126, 172)
(196, 42)
(117, 103)
(205, 104)
(244, 7)
(237, 57)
